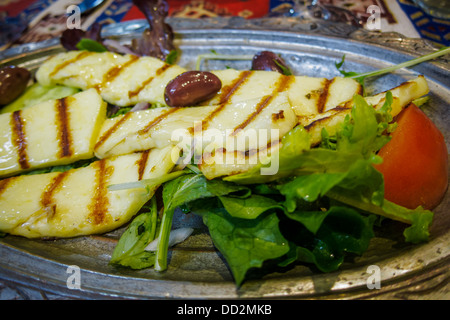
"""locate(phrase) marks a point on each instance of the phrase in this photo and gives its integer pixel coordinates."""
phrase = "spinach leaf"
(249, 207)
(324, 238)
(419, 219)
(181, 191)
(245, 243)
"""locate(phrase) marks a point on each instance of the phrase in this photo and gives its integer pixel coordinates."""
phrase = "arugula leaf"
(129, 251)
(339, 65)
(363, 132)
(360, 77)
(62, 168)
(309, 188)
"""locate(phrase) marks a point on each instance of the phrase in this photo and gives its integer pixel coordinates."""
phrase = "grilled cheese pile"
(230, 133)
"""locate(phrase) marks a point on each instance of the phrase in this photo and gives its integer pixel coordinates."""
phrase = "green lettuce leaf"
(37, 93)
(293, 144)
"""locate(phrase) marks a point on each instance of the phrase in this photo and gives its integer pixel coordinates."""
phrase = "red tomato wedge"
(415, 161)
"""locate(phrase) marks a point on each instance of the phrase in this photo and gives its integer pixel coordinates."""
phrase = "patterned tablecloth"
(47, 19)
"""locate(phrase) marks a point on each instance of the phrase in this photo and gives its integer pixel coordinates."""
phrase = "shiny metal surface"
(196, 269)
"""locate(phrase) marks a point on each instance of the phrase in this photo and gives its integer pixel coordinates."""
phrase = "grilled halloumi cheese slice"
(217, 165)
(242, 126)
(125, 80)
(226, 163)
(55, 132)
(122, 80)
(307, 95)
(78, 202)
(402, 95)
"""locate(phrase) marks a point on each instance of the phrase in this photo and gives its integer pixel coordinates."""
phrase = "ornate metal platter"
(196, 269)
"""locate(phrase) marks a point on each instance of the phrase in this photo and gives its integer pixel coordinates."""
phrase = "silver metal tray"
(196, 269)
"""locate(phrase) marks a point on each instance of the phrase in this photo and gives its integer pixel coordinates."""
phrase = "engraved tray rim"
(417, 266)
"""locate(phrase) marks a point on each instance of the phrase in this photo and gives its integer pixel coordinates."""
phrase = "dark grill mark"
(278, 116)
(47, 195)
(282, 84)
(111, 130)
(158, 120)
(246, 154)
(142, 163)
(61, 66)
(18, 139)
(265, 101)
(333, 113)
(321, 102)
(63, 128)
(228, 91)
(147, 81)
(112, 73)
(4, 184)
(100, 202)
(205, 122)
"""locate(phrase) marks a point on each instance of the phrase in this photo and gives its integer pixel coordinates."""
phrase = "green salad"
(321, 205)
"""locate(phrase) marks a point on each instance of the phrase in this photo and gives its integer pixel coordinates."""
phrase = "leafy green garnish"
(37, 93)
(346, 73)
(172, 57)
(286, 71)
(180, 191)
(90, 45)
(62, 168)
(245, 243)
(130, 250)
(360, 77)
(320, 206)
(324, 238)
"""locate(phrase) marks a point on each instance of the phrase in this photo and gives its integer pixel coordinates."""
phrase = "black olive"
(13, 81)
(269, 61)
(191, 87)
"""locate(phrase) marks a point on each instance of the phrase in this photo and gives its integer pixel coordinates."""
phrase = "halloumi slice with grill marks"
(78, 202)
(55, 132)
(241, 126)
(122, 80)
(307, 95)
(402, 95)
(217, 165)
(125, 80)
